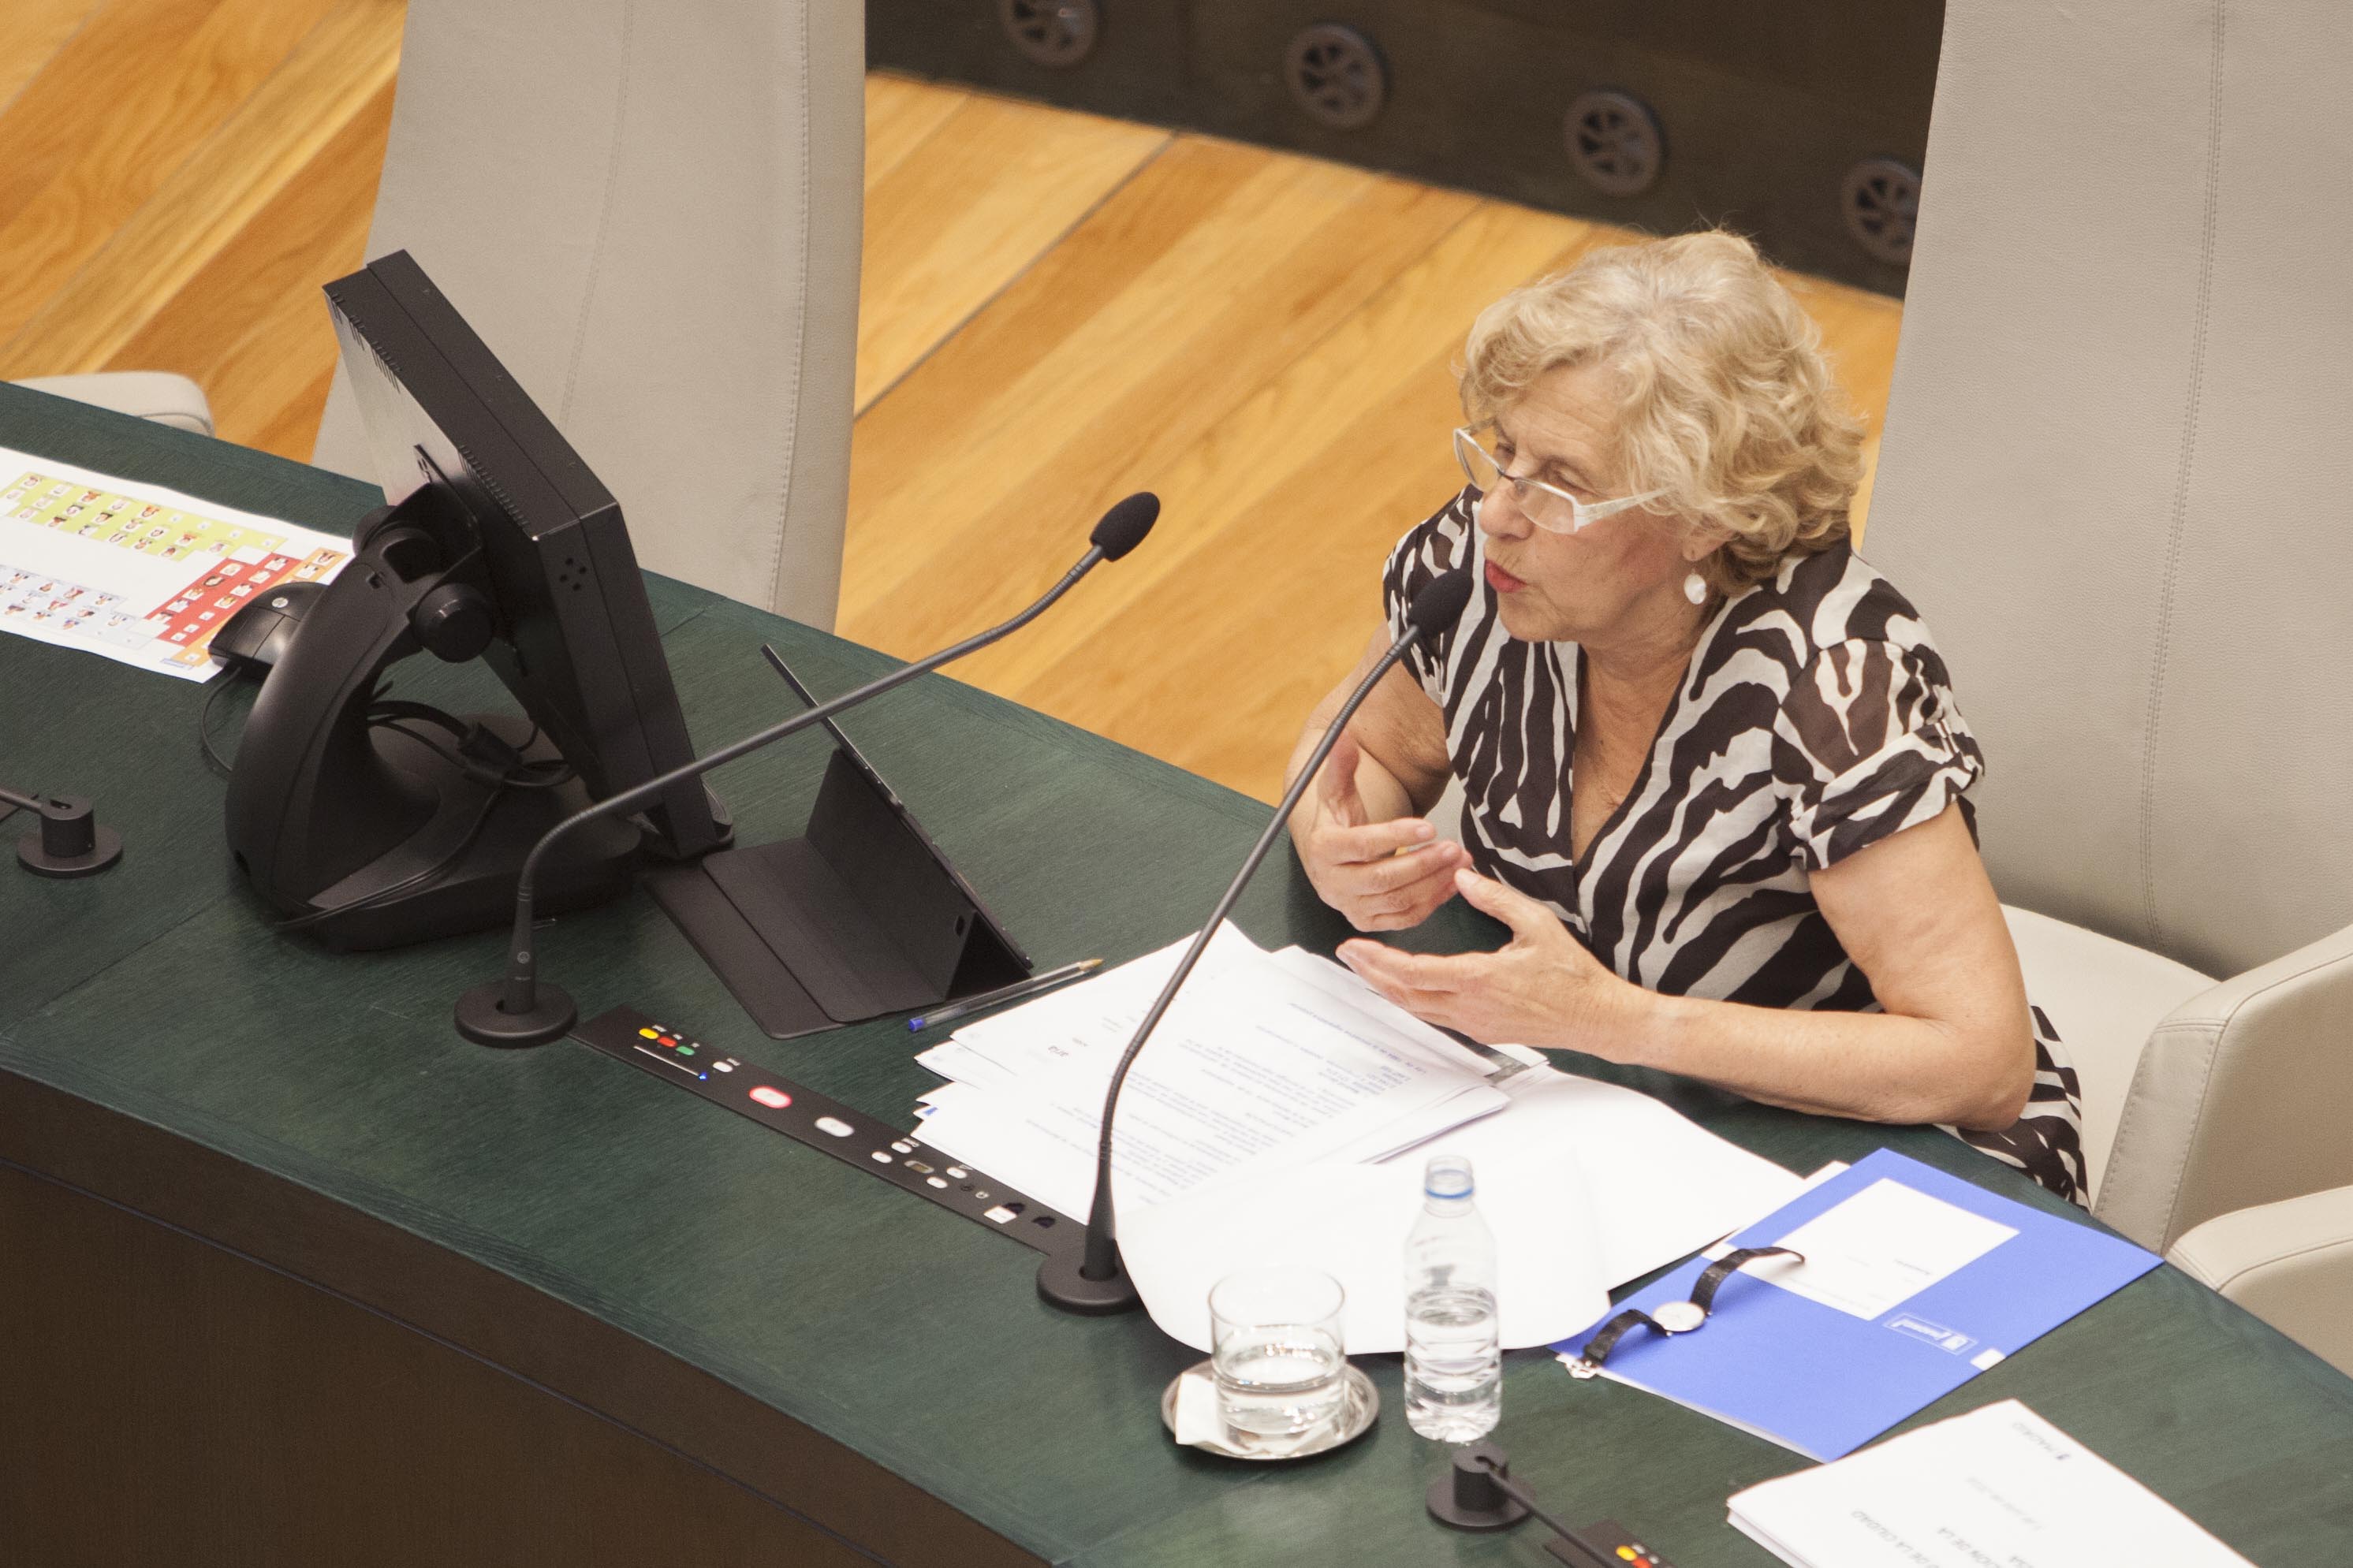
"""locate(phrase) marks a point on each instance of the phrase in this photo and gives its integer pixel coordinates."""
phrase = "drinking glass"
(1275, 1349)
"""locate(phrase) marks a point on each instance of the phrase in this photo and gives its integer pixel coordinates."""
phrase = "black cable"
(499, 786)
(521, 777)
(217, 762)
(1519, 1494)
(369, 901)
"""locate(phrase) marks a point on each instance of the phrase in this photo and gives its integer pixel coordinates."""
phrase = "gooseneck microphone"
(517, 1010)
(1096, 1283)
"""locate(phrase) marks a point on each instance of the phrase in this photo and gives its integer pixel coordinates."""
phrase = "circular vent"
(1880, 201)
(1056, 33)
(1336, 75)
(1613, 140)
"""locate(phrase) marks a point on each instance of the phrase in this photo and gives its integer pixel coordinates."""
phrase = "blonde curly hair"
(1724, 400)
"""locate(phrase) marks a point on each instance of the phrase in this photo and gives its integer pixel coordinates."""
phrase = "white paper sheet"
(1997, 1485)
(1587, 1184)
(1247, 1074)
(1350, 1221)
(1098, 1012)
(1871, 1253)
(135, 572)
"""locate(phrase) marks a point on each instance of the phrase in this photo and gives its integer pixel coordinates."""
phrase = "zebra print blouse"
(1816, 717)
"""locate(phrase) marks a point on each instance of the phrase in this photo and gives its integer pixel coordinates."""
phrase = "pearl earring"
(1695, 588)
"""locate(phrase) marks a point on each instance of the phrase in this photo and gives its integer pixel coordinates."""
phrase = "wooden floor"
(1057, 310)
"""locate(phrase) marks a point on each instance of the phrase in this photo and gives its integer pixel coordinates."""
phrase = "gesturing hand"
(1383, 875)
(1542, 988)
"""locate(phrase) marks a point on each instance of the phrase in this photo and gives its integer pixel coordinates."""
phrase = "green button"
(685, 1050)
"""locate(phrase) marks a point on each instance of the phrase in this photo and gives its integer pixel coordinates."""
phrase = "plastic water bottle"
(1453, 1344)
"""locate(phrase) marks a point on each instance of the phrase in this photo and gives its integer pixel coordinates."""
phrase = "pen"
(1013, 993)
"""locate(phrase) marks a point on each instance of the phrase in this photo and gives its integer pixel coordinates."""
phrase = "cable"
(550, 774)
(499, 784)
(217, 762)
(369, 901)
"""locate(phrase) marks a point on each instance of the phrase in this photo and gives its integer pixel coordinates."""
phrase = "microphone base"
(1467, 1498)
(1060, 1283)
(105, 850)
(482, 1020)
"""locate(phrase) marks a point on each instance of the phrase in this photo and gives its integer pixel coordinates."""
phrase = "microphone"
(1097, 1284)
(517, 1010)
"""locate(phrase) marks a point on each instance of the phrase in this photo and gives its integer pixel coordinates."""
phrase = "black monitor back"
(576, 641)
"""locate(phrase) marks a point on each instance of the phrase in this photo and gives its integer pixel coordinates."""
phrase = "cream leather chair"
(651, 213)
(2115, 479)
(158, 394)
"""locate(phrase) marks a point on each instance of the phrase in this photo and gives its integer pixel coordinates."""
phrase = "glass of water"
(1276, 1351)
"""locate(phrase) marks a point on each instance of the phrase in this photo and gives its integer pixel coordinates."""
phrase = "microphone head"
(1123, 528)
(1440, 603)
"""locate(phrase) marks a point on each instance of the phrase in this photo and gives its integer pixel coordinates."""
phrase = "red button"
(774, 1099)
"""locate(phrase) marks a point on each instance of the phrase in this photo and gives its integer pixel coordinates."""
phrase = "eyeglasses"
(1549, 507)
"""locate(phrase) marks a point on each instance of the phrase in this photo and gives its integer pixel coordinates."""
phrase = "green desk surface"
(897, 1330)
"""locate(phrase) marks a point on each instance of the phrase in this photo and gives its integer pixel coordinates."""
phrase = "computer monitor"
(498, 540)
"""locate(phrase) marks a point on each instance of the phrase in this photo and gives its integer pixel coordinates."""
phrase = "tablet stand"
(861, 916)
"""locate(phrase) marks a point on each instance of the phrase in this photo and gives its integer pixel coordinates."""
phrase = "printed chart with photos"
(140, 574)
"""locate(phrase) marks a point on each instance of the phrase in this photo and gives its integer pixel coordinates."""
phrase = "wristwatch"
(1673, 1317)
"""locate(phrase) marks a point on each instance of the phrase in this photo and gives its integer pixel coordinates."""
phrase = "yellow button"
(650, 1034)
(1627, 1553)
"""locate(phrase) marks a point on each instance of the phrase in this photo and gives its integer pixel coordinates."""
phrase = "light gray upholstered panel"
(2290, 1263)
(2239, 1098)
(650, 212)
(164, 396)
(2116, 477)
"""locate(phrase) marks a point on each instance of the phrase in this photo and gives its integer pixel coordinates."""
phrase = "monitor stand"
(861, 916)
(363, 836)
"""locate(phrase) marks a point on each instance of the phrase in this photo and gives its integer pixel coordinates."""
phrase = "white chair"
(2116, 480)
(651, 214)
(157, 395)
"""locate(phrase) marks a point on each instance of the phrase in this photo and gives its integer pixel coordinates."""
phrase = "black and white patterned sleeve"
(1430, 549)
(1868, 744)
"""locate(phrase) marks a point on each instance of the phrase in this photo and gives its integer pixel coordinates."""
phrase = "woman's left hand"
(1542, 988)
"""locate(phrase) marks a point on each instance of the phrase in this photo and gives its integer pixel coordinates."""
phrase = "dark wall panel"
(1764, 107)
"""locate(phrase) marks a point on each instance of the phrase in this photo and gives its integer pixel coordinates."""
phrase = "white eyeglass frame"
(1582, 514)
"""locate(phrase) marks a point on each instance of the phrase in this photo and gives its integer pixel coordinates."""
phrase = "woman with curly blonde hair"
(1714, 777)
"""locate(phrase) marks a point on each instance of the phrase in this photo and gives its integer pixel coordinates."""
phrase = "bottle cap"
(1447, 1176)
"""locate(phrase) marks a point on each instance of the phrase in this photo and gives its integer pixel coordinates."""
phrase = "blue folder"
(1824, 1381)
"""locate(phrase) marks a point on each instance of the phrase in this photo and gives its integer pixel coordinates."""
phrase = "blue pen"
(1013, 993)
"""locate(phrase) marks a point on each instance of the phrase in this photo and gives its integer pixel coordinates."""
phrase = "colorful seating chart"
(137, 575)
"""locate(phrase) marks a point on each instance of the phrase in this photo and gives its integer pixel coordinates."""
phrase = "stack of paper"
(1997, 1485)
(1282, 1111)
(1251, 1070)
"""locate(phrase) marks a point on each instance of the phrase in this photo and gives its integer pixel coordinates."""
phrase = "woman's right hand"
(1383, 875)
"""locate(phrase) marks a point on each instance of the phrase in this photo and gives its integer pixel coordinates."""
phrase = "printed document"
(135, 572)
(1999, 1485)
(1246, 1072)
(1288, 1069)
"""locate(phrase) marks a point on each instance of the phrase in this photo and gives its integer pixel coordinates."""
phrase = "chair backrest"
(651, 213)
(2117, 473)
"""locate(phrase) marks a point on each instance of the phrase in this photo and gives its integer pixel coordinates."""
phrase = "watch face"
(1679, 1317)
